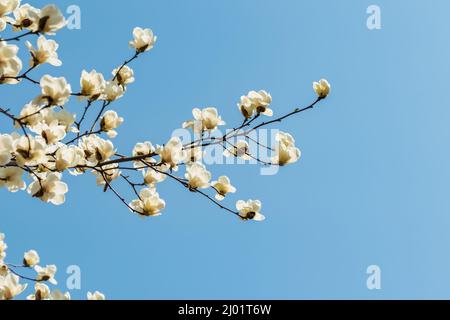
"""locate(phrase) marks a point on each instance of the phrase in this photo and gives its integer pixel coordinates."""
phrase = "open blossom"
(286, 151)
(124, 75)
(45, 52)
(58, 295)
(96, 149)
(6, 7)
(112, 91)
(55, 91)
(152, 177)
(322, 88)
(223, 187)
(240, 150)
(149, 204)
(52, 132)
(6, 149)
(3, 247)
(10, 287)
(41, 292)
(194, 155)
(51, 189)
(110, 172)
(30, 115)
(258, 102)
(63, 117)
(143, 149)
(30, 151)
(144, 39)
(207, 119)
(26, 17)
(172, 153)
(69, 157)
(198, 177)
(46, 274)
(10, 64)
(109, 122)
(92, 84)
(96, 296)
(250, 210)
(31, 258)
(12, 178)
(51, 20)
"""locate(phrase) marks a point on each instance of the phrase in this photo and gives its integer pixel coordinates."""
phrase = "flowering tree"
(49, 140)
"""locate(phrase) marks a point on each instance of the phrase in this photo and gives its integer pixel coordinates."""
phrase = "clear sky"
(372, 186)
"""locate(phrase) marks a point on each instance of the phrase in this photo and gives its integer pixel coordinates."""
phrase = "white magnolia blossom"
(322, 88)
(194, 155)
(55, 91)
(10, 64)
(31, 258)
(112, 91)
(207, 119)
(30, 115)
(172, 154)
(153, 177)
(51, 132)
(69, 157)
(256, 102)
(6, 7)
(143, 149)
(110, 172)
(41, 292)
(51, 20)
(124, 75)
(250, 210)
(12, 179)
(92, 84)
(223, 187)
(96, 296)
(286, 151)
(109, 122)
(240, 150)
(58, 295)
(96, 149)
(30, 151)
(26, 17)
(144, 39)
(46, 273)
(6, 148)
(50, 189)
(3, 247)
(10, 287)
(198, 177)
(45, 52)
(63, 117)
(149, 204)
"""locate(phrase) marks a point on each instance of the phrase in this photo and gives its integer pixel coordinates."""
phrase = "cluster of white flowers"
(13, 283)
(50, 141)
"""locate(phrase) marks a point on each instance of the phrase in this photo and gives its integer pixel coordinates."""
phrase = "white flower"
(172, 153)
(240, 150)
(45, 52)
(30, 151)
(198, 177)
(207, 119)
(69, 157)
(322, 88)
(142, 149)
(30, 115)
(250, 210)
(10, 64)
(63, 117)
(46, 274)
(57, 295)
(31, 258)
(112, 91)
(149, 204)
(11, 177)
(223, 187)
(194, 154)
(109, 122)
(6, 7)
(110, 173)
(96, 296)
(92, 84)
(56, 91)
(258, 102)
(124, 75)
(51, 20)
(10, 287)
(152, 177)
(52, 132)
(26, 17)
(50, 190)
(144, 39)
(6, 149)
(286, 151)
(3, 247)
(96, 149)
(41, 292)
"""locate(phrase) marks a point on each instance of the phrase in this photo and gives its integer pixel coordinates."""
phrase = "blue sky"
(372, 186)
